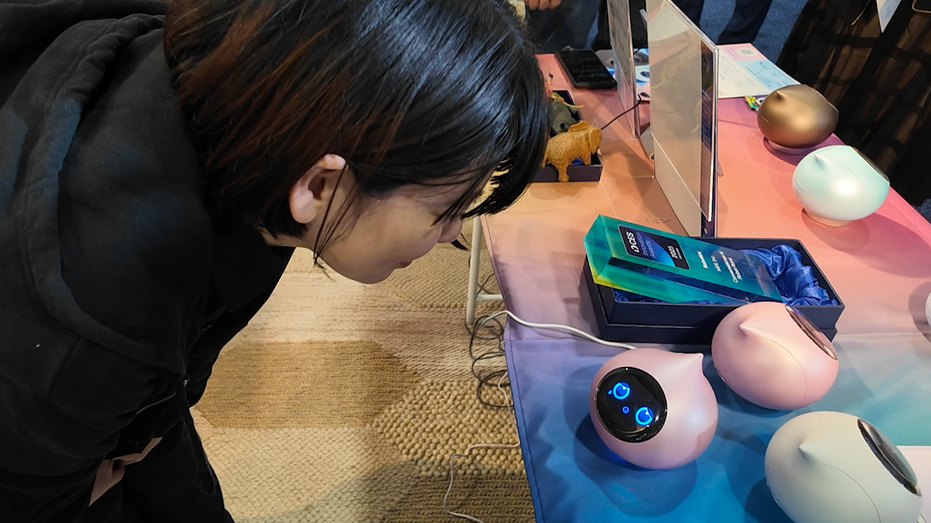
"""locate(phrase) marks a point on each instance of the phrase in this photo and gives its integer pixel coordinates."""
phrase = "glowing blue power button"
(644, 416)
(621, 390)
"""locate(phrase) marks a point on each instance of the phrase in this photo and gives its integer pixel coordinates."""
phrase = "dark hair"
(408, 91)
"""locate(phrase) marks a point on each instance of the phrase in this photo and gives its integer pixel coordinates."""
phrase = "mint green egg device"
(837, 184)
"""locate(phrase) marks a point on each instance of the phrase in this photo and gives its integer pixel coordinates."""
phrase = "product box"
(692, 323)
(576, 171)
(673, 268)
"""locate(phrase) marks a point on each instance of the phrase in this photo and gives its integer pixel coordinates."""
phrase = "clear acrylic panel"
(624, 70)
(683, 114)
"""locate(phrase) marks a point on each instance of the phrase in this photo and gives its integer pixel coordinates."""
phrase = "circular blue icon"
(626, 409)
(621, 390)
(644, 416)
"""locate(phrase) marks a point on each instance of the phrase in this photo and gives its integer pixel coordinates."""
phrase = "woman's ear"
(311, 194)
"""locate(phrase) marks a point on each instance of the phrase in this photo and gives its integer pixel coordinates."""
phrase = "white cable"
(556, 326)
(451, 468)
(507, 398)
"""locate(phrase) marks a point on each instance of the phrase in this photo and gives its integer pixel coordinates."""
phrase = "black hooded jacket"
(117, 286)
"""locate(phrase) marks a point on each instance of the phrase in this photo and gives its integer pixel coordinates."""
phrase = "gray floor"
(574, 24)
(779, 22)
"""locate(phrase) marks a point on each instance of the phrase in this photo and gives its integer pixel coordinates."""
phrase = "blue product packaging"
(674, 268)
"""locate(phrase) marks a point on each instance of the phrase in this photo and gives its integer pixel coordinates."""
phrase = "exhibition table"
(880, 267)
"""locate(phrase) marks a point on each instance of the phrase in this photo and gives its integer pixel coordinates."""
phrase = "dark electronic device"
(631, 404)
(654, 408)
(585, 70)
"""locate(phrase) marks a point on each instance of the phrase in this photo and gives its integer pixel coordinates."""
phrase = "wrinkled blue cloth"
(795, 281)
(796, 284)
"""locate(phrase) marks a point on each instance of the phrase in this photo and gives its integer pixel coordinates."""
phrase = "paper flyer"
(744, 71)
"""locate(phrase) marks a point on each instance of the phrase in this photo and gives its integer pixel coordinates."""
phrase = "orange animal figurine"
(580, 141)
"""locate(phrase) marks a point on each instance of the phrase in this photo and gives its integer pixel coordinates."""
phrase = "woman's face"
(391, 232)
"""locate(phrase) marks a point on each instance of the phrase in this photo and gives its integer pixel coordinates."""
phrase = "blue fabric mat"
(575, 478)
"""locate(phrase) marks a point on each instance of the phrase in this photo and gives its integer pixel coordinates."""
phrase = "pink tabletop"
(880, 266)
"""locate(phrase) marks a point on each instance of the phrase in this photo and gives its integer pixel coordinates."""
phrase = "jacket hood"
(99, 186)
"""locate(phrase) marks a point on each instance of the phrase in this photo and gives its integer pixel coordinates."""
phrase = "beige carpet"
(343, 402)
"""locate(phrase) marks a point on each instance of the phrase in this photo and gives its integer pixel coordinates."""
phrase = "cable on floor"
(501, 375)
